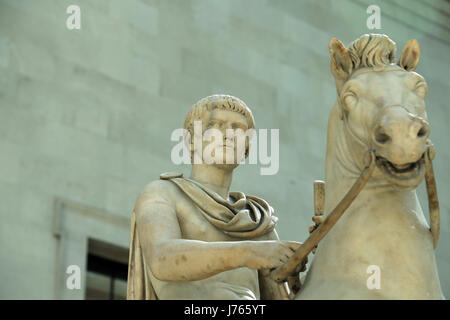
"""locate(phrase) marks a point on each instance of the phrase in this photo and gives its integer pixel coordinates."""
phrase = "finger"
(290, 252)
(286, 251)
(287, 255)
(317, 219)
(295, 245)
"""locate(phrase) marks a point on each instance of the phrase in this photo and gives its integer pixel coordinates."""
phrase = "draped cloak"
(245, 217)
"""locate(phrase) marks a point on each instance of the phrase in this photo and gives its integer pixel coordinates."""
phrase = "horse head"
(381, 104)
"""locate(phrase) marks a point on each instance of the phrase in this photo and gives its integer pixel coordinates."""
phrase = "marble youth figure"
(193, 239)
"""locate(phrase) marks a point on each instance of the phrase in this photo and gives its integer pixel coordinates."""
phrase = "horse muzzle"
(408, 175)
(400, 142)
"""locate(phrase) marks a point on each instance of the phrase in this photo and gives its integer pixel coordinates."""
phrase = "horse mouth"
(405, 175)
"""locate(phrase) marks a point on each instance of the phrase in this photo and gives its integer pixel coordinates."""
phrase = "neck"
(214, 178)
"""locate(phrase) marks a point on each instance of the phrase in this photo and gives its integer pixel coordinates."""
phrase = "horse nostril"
(422, 132)
(381, 136)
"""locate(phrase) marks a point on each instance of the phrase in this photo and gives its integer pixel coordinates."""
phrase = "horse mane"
(372, 50)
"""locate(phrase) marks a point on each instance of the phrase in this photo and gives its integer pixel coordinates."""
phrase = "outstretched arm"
(172, 258)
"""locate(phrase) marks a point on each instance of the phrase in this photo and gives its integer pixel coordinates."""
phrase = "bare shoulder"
(158, 192)
(160, 187)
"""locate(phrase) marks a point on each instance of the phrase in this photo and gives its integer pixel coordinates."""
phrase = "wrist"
(245, 253)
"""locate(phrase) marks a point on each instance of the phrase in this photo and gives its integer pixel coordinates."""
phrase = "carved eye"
(350, 100)
(421, 89)
(212, 124)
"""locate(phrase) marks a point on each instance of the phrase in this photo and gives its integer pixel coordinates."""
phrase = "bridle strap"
(282, 273)
(433, 201)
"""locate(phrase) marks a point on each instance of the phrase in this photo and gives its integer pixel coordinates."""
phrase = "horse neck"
(383, 227)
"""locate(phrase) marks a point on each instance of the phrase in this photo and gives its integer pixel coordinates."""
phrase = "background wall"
(86, 115)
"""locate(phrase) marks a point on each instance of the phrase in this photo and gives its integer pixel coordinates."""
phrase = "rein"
(281, 273)
(433, 201)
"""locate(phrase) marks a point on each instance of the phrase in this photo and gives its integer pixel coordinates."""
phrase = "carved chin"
(406, 176)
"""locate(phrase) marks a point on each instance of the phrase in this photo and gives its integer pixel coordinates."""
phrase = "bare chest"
(194, 225)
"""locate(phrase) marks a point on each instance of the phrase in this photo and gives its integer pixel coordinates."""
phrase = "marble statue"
(380, 113)
(193, 239)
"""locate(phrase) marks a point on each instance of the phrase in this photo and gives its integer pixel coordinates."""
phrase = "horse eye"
(350, 99)
(421, 90)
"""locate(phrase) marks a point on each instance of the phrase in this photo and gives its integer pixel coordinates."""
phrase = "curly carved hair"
(217, 101)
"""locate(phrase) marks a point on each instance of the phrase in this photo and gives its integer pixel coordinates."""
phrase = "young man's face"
(224, 142)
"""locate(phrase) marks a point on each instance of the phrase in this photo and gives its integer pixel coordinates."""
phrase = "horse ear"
(410, 56)
(341, 64)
